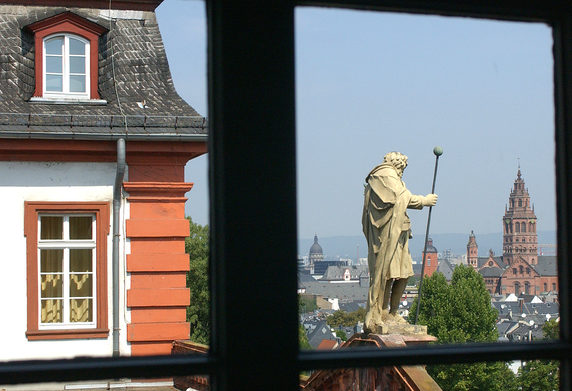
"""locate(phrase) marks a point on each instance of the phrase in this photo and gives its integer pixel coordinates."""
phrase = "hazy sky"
(369, 83)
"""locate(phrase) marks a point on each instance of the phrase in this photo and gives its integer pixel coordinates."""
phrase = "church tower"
(472, 251)
(519, 226)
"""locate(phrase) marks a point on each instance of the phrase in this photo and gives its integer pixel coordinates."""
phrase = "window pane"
(77, 64)
(51, 227)
(54, 46)
(370, 83)
(53, 64)
(81, 285)
(51, 261)
(51, 311)
(54, 83)
(81, 310)
(51, 285)
(80, 227)
(76, 46)
(80, 260)
(77, 83)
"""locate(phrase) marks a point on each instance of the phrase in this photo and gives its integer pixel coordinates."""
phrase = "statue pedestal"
(400, 328)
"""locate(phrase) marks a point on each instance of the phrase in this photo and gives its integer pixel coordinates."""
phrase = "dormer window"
(66, 66)
(66, 58)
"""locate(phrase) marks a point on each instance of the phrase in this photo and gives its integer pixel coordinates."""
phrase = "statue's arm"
(419, 201)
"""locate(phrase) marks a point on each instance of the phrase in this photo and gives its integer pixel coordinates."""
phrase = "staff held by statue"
(438, 151)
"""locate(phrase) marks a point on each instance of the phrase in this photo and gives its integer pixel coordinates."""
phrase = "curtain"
(51, 227)
(80, 227)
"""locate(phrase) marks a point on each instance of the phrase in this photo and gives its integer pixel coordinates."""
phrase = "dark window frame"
(253, 207)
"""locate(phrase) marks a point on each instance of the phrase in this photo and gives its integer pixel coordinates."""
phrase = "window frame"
(249, 122)
(66, 73)
(32, 212)
(66, 23)
(66, 244)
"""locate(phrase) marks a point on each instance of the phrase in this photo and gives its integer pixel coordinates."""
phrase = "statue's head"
(397, 160)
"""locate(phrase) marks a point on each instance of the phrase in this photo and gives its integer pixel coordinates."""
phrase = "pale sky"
(369, 83)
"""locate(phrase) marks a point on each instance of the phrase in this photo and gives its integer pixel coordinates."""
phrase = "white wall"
(38, 181)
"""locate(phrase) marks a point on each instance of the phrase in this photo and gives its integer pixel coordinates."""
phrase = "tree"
(551, 329)
(341, 334)
(303, 342)
(197, 246)
(541, 375)
(344, 319)
(461, 312)
(306, 303)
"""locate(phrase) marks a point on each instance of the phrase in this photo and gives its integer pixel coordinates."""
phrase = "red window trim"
(70, 23)
(31, 211)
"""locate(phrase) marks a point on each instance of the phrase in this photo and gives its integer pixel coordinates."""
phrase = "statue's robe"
(387, 229)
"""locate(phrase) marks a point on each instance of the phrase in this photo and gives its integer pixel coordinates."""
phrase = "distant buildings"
(520, 269)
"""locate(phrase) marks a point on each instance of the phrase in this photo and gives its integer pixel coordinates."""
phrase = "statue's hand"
(430, 200)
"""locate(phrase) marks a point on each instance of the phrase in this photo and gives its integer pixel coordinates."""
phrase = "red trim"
(31, 211)
(71, 23)
(36, 150)
(138, 5)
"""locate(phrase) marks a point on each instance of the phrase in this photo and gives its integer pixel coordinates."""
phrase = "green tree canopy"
(303, 342)
(197, 246)
(458, 312)
(344, 319)
(461, 312)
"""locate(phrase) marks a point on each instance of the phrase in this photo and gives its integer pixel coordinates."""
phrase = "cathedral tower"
(472, 251)
(519, 226)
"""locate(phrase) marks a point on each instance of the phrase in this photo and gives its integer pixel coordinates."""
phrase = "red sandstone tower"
(431, 261)
(472, 251)
(519, 226)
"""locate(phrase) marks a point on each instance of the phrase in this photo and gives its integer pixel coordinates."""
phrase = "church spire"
(520, 239)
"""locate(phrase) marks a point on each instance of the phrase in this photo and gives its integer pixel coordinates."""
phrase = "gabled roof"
(446, 268)
(320, 333)
(491, 272)
(141, 75)
(334, 273)
(482, 261)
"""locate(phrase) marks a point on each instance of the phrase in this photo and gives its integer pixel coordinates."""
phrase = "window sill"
(34, 335)
(68, 101)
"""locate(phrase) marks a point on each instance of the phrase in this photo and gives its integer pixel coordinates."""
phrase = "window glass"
(54, 46)
(371, 83)
(54, 64)
(77, 64)
(77, 46)
(51, 227)
(80, 227)
(77, 83)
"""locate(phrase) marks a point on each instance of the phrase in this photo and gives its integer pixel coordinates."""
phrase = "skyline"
(368, 83)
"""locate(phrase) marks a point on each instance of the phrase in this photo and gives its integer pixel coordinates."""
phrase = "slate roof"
(498, 259)
(141, 74)
(320, 333)
(337, 272)
(344, 292)
(491, 272)
(446, 268)
(546, 265)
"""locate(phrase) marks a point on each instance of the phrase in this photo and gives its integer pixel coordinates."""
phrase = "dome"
(316, 248)
(430, 247)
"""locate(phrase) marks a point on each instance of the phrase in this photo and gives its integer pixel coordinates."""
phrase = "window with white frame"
(66, 264)
(66, 66)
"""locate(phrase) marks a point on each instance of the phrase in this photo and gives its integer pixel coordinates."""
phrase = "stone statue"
(387, 229)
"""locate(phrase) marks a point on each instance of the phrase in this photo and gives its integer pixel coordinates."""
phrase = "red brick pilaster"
(157, 228)
(158, 295)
